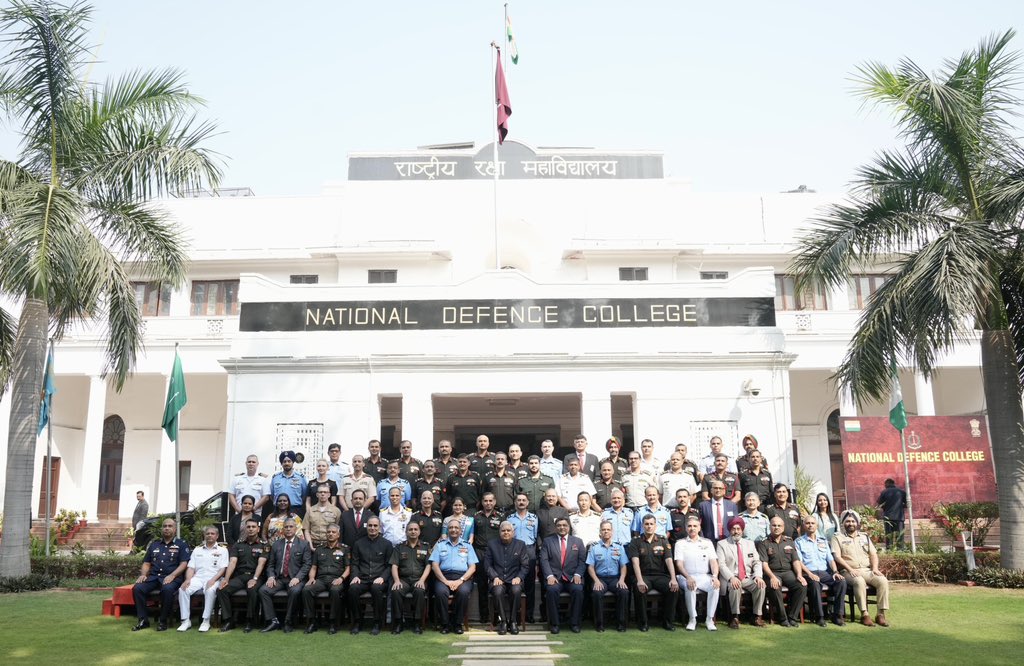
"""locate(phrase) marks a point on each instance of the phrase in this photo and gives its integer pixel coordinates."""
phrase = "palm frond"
(143, 235)
(8, 333)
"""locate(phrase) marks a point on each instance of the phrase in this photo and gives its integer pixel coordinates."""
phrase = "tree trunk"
(1006, 423)
(28, 370)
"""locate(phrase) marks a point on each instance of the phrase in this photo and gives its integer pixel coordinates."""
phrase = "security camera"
(750, 388)
(755, 391)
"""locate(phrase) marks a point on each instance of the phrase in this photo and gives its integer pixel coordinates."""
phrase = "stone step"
(505, 643)
(508, 649)
(530, 659)
(532, 636)
(508, 662)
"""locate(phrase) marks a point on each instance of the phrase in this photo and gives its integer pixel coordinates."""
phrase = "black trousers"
(238, 584)
(797, 595)
(530, 583)
(669, 599)
(419, 598)
(267, 599)
(507, 599)
(621, 601)
(836, 595)
(334, 593)
(377, 592)
(575, 591)
(461, 595)
(482, 588)
(168, 596)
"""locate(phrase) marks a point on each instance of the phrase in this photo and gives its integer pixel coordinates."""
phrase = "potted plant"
(960, 519)
(83, 521)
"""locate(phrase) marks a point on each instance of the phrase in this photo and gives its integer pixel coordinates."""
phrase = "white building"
(625, 304)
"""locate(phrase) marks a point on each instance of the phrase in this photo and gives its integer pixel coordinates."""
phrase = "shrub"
(118, 567)
(30, 583)
(974, 517)
(997, 577)
(931, 567)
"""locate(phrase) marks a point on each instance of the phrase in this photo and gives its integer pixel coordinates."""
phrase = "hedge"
(932, 567)
(118, 567)
(30, 583)
(995, 577)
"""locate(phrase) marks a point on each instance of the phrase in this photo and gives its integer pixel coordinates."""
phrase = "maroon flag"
(502, 100)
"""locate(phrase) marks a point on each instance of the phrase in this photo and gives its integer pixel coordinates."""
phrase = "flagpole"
(177, 465)
(497, 248)
(910, 505)
(504, 30)
(49, 458)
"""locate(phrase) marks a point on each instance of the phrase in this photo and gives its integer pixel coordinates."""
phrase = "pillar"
(596, 420)
(925, 396)
(657, 418)
(92, 445)
(417, 422)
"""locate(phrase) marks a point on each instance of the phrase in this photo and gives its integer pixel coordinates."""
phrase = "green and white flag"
(176, 400)
(513, 52)
(897, 412)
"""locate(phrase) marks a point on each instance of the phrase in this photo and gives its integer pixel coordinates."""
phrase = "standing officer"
(287, 567)
(605, 484)
(654, 570)
(486, 522)
(453, 562)
(371, 572)
(779, 560)
(502, 482)
(482, 462)
(338, 469)
(162, 568)
(587, 461)
(525, 525)
(291, 483)
(320, 516)
(246, 559)
(679, 515)
(563, 560)
(506, 561)
(535, 484)
(464, 484)
(409, 570)
(429, 482)
(428, 518)
(250, 483)
(357, 480)
(619, 464)
(606, 564)
(621, 518)
(205, 569)
(445, 464)
(331, 566)
(393, 480)
(409, 468)
(376, 466)
(635, 481)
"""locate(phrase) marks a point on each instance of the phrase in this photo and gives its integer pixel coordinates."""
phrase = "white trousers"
(703, 585)
(195, 586)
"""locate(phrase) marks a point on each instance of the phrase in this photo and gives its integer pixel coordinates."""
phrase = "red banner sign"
(949, 459)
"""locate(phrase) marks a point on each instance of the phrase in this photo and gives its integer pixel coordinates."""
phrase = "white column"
(166, 498)
(657, 418)
(418, 422)
(847, 407)
(924, 395)
(92, 446)
(596, 419)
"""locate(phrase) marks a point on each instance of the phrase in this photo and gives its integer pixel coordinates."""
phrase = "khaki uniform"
(856, 551)
(318, 518)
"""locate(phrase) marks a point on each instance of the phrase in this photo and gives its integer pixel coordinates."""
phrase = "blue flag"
(46, 395)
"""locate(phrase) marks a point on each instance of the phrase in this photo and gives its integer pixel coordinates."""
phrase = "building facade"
(584, 293)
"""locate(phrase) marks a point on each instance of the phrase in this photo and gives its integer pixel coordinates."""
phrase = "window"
(214, 297)
(714, 275)
(303, 279)
(786, 297)
(381, 276)
(633, 273)
(154, 298)
(862, 287)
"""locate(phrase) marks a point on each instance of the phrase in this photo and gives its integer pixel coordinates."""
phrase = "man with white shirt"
(203, 574)
(549, 465)
(636, 481)
(395, 518)
(251, 483)
(357, 480)
(338, 469)
(674, 479)
(572, 483)
(707, 463)
(586, 524)
(697, 571)
(648, 462)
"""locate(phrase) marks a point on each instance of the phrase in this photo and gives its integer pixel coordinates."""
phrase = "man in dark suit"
(507, 562)
(716, 513)
(563, 560)
(353, 521)
(287, 570)
(588, 461)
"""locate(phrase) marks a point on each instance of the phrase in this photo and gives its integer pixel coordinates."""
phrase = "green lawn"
(931, 624)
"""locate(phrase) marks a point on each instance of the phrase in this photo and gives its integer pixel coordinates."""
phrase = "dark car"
(217, 508)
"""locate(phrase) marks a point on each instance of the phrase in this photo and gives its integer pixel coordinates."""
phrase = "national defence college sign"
(507, 314)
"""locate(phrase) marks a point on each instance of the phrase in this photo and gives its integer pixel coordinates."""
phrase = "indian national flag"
(897, 412)
(513, 52)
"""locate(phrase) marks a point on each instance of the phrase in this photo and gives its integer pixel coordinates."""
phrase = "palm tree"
(74, 217)
(944, 211)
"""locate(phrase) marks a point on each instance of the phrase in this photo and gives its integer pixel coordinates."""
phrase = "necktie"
(359, 519)
(741, 572)
(287, 559)
(564, 577)
(721, 527)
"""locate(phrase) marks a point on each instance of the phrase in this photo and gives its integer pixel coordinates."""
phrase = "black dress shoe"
(555, 629)
(621, 628)
(396, 628)
(273, 625)
(502, 629)
(417, 629)
(375, 631)
(333, 629)
(459, 630)
(161, 625)
(355, 629)
(668, 626)
(444, 630)
(599, 628)
(248, 628)
(575, 629)
(822, 622)
(311, 628)
(529, 619)
(513, 629)
(227, 626)
(644, 627)
(143, 624)
(288, 627)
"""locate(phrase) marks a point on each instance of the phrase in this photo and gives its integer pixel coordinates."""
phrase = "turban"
(850, 512)
(290, 455)
(737, 521)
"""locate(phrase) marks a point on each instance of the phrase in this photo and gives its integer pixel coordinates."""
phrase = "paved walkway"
(483, 648)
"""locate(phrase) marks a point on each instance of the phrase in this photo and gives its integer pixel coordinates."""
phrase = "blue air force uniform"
(163, 559)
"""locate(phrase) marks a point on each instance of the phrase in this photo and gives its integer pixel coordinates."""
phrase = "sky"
(739, 96)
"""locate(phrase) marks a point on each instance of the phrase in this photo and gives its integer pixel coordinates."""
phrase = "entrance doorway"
(111, 456)
(527, 437)
(55, 470)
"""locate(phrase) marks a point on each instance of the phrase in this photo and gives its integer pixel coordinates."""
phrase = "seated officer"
(331, 566)
(246, 559)
(781, 564)
(606, 565)
(562, 563)
(654, 569)
(205, 569)
(507, 563)
(162, 570)
(819, 568)
(409, 570)
(858, 560)
(371, 572)
(453, 562)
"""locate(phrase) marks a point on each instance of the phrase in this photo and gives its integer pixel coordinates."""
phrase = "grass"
(932, 624)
